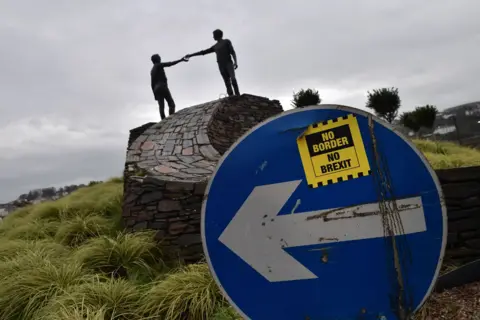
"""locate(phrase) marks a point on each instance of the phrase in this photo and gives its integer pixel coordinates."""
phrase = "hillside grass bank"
(70, 259)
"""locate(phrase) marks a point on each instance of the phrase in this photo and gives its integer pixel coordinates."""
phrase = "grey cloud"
(39, 171)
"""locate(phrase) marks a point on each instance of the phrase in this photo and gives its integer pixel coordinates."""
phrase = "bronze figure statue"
(159, 84)
(224, 51)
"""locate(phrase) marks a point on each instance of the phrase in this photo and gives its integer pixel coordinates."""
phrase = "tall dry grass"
(70, 259)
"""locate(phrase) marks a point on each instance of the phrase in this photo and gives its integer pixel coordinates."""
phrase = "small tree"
(305, 98)
(426, 115)
(32, 195)
(385, 102)
(48, 192)
(70, 188)
(408, 119)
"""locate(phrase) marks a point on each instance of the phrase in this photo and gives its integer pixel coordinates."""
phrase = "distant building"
(460, 123)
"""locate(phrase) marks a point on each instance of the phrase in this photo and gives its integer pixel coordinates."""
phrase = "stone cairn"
(169, 164)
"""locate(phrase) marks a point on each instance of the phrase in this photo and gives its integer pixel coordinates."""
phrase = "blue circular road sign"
(324, 212)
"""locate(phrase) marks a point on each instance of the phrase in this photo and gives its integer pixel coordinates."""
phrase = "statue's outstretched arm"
(172, 63)
(201, 53)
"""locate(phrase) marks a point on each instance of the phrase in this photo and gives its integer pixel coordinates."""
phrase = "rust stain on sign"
(344, 213)
(321, 239)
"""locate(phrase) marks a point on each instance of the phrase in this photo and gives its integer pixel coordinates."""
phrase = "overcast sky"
(74, 75)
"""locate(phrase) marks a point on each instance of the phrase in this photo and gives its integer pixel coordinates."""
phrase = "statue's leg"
(161, 103)
(231, 73)
(161, 107)
(170, 102)
(226, 78)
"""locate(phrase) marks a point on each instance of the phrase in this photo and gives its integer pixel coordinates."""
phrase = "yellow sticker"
(333, 151)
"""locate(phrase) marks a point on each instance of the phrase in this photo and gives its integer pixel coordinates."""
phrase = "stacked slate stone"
(461, 188)
(168, 167)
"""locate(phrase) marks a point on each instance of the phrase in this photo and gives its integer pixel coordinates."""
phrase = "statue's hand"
(235, 66)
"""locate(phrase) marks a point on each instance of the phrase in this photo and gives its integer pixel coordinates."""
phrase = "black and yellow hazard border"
(354, 152)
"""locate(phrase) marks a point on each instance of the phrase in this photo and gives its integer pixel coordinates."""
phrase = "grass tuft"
(128, 255)
(24, 248)
(33, 230)
(188, 293)
(76, 230)
(77, 313)
(226, 313)
(111, 298)
(26, 291)
(50, 211)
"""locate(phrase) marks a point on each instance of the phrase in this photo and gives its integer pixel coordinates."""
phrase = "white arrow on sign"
(257, 234)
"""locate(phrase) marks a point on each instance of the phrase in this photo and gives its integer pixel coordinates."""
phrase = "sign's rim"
(324, 107)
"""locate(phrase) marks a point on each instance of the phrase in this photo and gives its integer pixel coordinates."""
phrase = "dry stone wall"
(461, 188)
(232, 122)
(136, 132)
(169, 163)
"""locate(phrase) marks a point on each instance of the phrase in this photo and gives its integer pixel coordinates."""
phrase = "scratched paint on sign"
(333, 151)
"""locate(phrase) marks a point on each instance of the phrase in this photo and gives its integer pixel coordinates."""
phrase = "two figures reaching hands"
(224, 51)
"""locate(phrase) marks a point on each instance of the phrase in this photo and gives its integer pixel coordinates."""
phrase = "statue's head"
(217, 34)
(156, 58)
